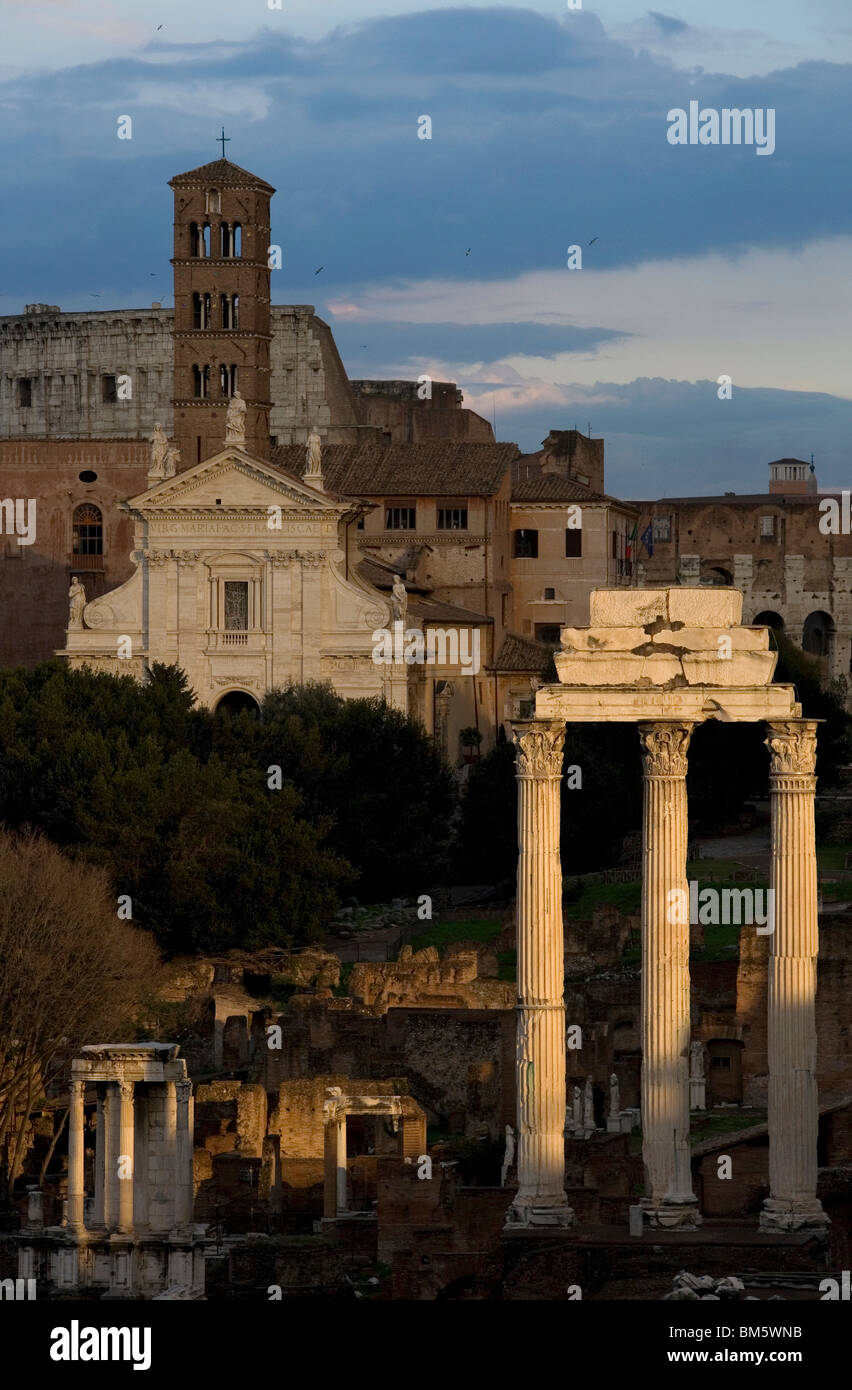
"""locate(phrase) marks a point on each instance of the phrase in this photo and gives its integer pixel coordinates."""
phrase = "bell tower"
(222, 319)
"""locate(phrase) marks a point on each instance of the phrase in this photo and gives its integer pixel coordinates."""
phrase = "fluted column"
(794, 945)
(126, 1156)
(669, 1199)
(541, 1198)
(76, 1181)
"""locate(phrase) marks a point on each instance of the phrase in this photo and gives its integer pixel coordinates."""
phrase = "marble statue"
(76, 604)
(614, 1095)
(589, 1105)
(235, 421)
(399, 600)
(578, 1108)
(159, 449)
(171, 463)
(313, 458)
(508, 1155)
(696, 1060)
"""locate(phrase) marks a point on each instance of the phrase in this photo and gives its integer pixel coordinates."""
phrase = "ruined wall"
(422, 980)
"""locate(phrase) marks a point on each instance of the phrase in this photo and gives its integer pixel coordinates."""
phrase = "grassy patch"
(507, 965)
(832, 856)
(442, 933)
(714, 1123)
(624, 896)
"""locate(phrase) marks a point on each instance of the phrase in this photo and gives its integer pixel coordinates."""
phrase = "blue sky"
(448, 256)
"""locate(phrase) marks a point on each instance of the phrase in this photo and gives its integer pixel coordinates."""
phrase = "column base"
(671, 1213)
(780, 1216)
(526, 1215)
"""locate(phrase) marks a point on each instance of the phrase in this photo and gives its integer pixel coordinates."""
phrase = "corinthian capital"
(539, 748)
(792, 746)
(664, 748)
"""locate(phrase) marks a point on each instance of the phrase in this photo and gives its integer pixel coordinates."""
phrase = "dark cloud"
(668, 24)
(545, 131)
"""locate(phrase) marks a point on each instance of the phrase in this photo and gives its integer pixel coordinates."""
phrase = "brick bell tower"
(222, 321)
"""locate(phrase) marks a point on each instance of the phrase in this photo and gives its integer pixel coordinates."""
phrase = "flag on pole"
(648, 539)
(628, 550)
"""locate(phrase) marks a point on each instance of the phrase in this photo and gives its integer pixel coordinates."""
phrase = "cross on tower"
(225, 139)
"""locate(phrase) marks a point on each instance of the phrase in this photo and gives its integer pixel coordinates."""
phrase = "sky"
(449, 255)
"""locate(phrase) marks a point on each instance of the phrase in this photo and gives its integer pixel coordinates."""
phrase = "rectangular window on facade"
(548, 632)
(360, 524)
(573, 543)
(452, 518)
(109, 394)
(400, 518)
(549, 595)
(25, 391)
(662, 529)
(526, 545)
(721, 1063)
(767, 526)
(236, 605)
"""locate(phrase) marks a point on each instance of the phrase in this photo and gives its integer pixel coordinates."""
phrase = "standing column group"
(541, 1070)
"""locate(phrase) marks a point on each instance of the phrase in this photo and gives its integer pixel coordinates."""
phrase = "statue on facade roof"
(159, 450)
(76, 604)
(399, 600)
(235, 421)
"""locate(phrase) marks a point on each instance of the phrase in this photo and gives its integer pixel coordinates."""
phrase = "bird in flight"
(467, 252)
(593, 240)
(94, 296)
(159, 27)
(316, 272)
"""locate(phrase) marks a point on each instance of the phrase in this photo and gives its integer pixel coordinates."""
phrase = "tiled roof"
(530, 484)
(433, 610)
(221, 172)
(522, 654)
(447, 468)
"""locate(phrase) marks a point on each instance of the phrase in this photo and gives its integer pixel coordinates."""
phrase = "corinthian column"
(127, 1156)
(669, 1199)
(540, 1199)
(793, 1107)
(76, 1189)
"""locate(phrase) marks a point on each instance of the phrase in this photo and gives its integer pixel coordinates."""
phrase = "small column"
(335, 1160)
(183, 1154)
(100, 1155)
(76, 1187)
(110, 1161)
(669, 1199)
(540, 1058)
(793, 1103)
(126, 1156)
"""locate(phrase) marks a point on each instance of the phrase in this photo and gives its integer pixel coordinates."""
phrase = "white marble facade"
(242, 580)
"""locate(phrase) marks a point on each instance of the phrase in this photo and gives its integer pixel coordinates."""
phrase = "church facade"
(242, 579)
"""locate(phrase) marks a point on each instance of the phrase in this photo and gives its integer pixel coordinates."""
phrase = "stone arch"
(716, 576)
(818, 634)
(768, 618)
(237, 702)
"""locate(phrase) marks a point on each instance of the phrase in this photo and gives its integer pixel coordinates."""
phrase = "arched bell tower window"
(230, 310)
(87, 531)
(237, 240)
(225, 233)
(205, 240)
(201, 311)
(200, 382)
(228, 381)
(214, 200)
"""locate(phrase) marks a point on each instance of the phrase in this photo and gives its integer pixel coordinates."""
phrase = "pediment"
(233, 479)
